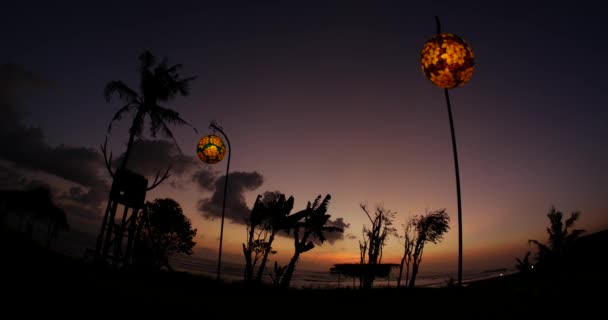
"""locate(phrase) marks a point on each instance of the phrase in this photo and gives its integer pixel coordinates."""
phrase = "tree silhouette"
(552, 256)
(307, 224)
(524, 265)
(165, 232)
(374, 241)
(409, 240)
(159, 82)
(429, 227)
(277, 210)
(34, 205)
(268, 217)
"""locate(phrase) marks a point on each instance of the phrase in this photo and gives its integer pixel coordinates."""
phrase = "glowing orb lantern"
(211, 149)
(447, 61)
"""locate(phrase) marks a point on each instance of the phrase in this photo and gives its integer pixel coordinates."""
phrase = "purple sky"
(321, 99)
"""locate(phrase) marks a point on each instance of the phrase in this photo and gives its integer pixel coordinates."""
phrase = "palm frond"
(322, 209)
(570, 222)
(146, 61)
(174, 68)
(119, 114)
(160, 117)
(124, 92)
(316, 203)
(183, 85)
(167, 133)
(541, 247)
(163, 64)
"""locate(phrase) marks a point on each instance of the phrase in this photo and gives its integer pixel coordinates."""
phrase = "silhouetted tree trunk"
(429, 227)
(312, 221)
(416, 264)
(267, 250)
(132, 133)
(300, 246)
(381, 228)
(286, 279)
(401, 264)
(409, 238)
(247, 251)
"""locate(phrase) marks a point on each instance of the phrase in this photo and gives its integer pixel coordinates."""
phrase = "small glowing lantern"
(447, 61)
(211, 149)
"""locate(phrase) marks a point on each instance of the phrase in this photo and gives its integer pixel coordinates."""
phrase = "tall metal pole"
(455, 151)
(447, 99)
(214, 126)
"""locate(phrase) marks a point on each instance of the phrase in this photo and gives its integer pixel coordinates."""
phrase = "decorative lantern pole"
(447, 61)
(211, 149)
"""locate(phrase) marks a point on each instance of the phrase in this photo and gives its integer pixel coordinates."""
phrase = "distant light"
(501, 274)
(532, 267)
(211, 149)
(447, 61)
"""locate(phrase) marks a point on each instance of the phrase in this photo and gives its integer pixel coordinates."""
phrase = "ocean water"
(76, 244)
(317, 279)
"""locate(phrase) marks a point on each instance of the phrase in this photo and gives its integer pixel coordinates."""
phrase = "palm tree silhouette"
(159, 83)
(562, 237)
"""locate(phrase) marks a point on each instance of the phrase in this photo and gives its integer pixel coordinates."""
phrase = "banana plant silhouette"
(310, 222)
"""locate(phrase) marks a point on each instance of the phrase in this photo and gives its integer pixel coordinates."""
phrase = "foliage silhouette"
(268, 217)
(277, 274)
(374, 240)
(409, 240)
(159, 82)
(554, 257)
(524, 265)
(428, 227)
(32, 206)
(305, 225)
(165, 231)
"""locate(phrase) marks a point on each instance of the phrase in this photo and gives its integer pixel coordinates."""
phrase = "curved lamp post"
(447, 61)
(211, 149)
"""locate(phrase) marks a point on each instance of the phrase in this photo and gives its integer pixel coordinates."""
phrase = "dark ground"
(37, 280)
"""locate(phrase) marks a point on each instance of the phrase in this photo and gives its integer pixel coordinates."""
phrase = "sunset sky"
(319, 99)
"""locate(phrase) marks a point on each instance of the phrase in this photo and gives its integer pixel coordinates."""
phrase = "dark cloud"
(94, 195)
(16, 83)
(14, 180)
(11, 179)
(26, 148)
(81, 205)
(151, 156)
(270, 196)
(236, 209)
(205, 179)
(332, 237)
